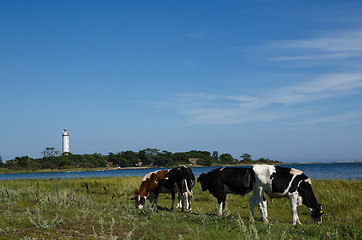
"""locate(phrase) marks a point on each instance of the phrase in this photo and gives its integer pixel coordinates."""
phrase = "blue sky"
(274, 79)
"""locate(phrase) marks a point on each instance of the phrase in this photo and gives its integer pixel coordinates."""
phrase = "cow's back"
(237, 180)
(277, 180)
(227, 180)
(151, 181)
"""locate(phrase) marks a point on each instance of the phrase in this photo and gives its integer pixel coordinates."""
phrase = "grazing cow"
(222, 181)
(150, 183)
(179, 180)
(280, 182)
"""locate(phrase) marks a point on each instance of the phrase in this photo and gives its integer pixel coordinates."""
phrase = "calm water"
(348, 171)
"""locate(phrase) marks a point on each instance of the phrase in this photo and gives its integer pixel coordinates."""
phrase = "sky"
(275, 79)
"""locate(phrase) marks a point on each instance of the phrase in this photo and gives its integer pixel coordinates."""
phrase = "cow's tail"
(185, 185)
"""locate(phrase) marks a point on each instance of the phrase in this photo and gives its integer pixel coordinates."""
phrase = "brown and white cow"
(178, 180)
(286, 182)
(150, 183)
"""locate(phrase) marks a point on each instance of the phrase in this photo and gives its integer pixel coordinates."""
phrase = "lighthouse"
(65, 138)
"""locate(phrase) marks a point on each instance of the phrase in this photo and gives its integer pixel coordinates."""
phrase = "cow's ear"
(321, 211)
(133, 198)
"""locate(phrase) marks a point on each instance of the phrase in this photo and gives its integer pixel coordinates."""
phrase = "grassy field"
(100, 208)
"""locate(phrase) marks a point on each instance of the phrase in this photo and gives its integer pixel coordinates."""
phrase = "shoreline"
(7, 171)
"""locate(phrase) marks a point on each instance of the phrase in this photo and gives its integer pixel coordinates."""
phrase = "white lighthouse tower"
(65, 136)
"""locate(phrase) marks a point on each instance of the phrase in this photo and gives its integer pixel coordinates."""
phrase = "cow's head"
(138, 199)
(310, 201)
(316, 213)
(203, 180)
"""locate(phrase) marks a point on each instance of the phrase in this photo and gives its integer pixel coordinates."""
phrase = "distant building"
(193, 160)
(65, 138)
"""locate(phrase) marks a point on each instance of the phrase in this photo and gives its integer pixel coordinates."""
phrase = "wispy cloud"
(344, 117)
(328, 86)
(281, 103)
(340, 41)
(292, 103)
(336, 45)
(316, 57)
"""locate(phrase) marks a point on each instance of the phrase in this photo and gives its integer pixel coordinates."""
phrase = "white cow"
(278, 182)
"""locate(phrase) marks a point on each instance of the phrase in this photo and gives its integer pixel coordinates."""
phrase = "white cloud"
(334, 118)
(328, 86)
(315, 57)
(338, 41)
(337, 45)
(288, 102)
(271, 104)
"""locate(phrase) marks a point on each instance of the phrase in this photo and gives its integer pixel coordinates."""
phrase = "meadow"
(100, 208)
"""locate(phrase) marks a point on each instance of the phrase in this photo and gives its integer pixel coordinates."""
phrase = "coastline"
(8, 171)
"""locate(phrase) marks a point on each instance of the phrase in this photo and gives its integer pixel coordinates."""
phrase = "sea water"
(349, 171)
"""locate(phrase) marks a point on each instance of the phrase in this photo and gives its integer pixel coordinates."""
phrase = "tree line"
(52, 159)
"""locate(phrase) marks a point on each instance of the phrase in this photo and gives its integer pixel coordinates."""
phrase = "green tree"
(23, 162)
(246, 157)
(181, 158)
(50, 151)
(215, 156)
(164, 159)
(118, 159)
(131, 157)
(147, 156)
(205, 162)
(226, 158)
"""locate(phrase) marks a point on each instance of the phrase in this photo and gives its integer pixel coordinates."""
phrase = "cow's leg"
(178, 205)
(151, 198)
(259, 199)
(252, 203)
(221, 201)
(180, 195)
(265, 207)
(156, 200)
(187, 194)
(188, 202)
(173, 199)
(185, 197)
(294, 206)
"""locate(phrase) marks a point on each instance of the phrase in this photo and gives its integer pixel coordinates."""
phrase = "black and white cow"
(222, 181)
(280, 182)
(179, 180)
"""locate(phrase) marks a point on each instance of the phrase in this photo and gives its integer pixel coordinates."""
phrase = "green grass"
(100, 208)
